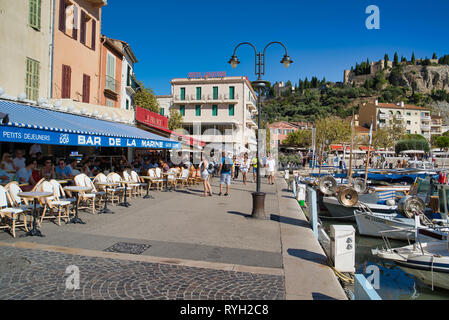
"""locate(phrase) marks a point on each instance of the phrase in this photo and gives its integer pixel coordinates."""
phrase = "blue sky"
(323, 37)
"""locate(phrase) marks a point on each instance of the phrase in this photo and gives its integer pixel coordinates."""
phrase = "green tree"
(382, 139)
(300, 138)
(395, 60)
(403, 145)
(434, 56)
(175, 120)
(442, 142)
(145, 98)
(413, 58)
(386, 59)
(333, 129)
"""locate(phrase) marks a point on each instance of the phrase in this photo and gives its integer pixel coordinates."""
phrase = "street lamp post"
(260, 85)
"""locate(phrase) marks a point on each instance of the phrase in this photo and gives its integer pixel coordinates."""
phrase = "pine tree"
(306, 83)
(395, 60)
(386, 59)
(413, 58)
(434, 56)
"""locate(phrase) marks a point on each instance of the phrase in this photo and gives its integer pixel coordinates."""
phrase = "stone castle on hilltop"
(350, 76)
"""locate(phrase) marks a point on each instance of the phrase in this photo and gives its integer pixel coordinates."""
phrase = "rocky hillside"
(426, 78)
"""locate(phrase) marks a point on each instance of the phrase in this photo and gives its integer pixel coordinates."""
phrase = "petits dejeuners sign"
(200, 75)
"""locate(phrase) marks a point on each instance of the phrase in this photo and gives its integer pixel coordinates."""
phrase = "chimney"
(377, 102)
(402, 104)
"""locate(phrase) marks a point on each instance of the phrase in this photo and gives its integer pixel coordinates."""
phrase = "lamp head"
(234, 61)
(286, 61)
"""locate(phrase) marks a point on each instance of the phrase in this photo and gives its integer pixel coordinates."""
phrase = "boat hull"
(372, 225)
(336, 210)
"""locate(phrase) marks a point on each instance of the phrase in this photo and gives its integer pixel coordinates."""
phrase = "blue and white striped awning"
(29, 124)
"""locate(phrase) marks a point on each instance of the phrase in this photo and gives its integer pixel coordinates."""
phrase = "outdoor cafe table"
(166, 174)
(77, 190)
(147, 178)
(35, 196)
(125, 203)
(106, 185)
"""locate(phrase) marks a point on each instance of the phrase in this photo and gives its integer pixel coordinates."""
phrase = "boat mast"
(352, 147)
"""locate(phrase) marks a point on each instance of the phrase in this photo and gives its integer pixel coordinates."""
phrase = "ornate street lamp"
(260, 85)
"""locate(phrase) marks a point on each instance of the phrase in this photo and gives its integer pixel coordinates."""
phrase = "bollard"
(294, 187)
(312, 209)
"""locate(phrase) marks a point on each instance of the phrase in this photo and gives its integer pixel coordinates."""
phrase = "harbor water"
(394, 283)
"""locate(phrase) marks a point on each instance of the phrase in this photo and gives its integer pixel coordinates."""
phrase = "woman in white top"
(7, 164)
(271, 164)
(205, 176)
(244, 167)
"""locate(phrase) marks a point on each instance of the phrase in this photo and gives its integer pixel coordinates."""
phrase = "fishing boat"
(377, 202)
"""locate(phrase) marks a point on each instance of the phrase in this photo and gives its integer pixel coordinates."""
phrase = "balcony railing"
(425, 127)
(132, 84)
(112, 84)
(425, 118)
(399, 117)
(383, 116)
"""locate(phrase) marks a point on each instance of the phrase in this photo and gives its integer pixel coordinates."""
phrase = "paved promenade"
(178, 245)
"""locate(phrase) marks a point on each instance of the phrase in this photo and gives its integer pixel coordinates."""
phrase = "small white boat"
(427, 259)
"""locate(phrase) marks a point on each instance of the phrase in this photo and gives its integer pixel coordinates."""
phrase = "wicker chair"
(115, 192)
(10, 216)
(158, 182)
(87, 198)
(53, 202)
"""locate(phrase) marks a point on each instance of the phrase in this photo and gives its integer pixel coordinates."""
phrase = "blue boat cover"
(29, 124)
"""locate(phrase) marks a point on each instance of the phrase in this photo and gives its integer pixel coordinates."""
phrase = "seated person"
(25, 175)
(63, 171)
(48, 170)
(4, 177)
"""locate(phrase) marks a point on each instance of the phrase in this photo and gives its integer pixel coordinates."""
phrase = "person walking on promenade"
(236, 167)
(205, 176)
(271, 164)
(244, 167)
(225, 172)
(254, 165)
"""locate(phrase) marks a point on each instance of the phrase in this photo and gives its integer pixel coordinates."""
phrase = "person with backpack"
(225, 172)
(204, 169)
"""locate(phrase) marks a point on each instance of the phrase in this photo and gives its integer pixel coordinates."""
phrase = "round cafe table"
(77, 190)
(35, 196)
(166, 174)
(147, 179)
(106, 185)
(125, 203)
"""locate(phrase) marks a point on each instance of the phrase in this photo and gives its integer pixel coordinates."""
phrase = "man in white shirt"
(19, 160)
(270, 164)
(35, 148)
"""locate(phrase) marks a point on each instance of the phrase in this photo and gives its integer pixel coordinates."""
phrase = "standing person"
(19, 160)
(271, 164)
(35, 149)
(205, 176)
(225, 172)
(254, 165)
(7, 163)
(236, 167)
(244, 167)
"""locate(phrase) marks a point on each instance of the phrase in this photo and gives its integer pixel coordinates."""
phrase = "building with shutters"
(110, 73)
(76, 54)
(217, 109)
(25, 30)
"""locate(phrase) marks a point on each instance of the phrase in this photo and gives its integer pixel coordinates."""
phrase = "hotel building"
(217, 110)
(415, 119)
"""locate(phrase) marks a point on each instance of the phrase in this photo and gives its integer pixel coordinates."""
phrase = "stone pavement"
(176, 246)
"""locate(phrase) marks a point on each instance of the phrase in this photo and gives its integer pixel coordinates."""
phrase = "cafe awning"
(30, 124)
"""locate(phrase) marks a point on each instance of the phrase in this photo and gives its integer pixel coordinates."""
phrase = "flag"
(371, 133)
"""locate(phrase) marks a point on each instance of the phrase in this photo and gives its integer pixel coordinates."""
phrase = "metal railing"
(112, 84)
